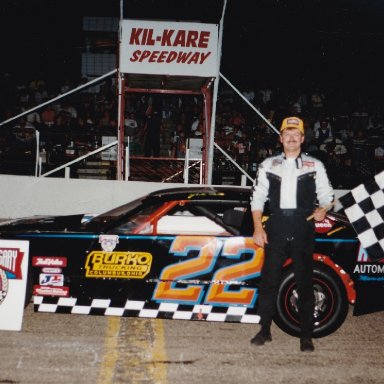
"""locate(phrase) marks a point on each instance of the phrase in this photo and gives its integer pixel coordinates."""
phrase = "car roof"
(202, 193)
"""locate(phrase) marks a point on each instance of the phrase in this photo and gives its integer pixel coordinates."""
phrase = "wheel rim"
(325, 302)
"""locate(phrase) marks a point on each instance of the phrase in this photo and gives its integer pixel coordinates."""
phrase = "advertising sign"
(169, 48)
(195, 149)
(13, 283)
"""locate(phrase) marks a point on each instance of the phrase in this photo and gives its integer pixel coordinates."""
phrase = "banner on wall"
(169, 48)
(13, 282)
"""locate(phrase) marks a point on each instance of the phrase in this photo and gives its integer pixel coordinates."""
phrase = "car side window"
(184, 222)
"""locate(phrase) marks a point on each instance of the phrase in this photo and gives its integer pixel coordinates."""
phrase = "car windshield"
(135, 219)
(107, 218)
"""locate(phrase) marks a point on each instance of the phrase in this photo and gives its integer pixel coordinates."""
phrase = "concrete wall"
(22, 196)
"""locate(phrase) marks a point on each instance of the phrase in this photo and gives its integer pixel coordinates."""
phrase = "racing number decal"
(220, 293)
(217, 293)
(208, 248)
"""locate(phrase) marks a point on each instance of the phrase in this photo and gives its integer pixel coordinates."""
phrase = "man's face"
(291, 138)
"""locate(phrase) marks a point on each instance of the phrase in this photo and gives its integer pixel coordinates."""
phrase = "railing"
(183, 170)
(66, 165)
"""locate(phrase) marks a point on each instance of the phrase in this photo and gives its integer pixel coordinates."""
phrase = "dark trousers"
(288, 236)
(152, 146)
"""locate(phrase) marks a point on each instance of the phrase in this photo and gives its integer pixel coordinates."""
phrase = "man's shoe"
(261, 338)
(306, 345)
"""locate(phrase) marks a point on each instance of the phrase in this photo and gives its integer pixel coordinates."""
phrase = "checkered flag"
(364, 207)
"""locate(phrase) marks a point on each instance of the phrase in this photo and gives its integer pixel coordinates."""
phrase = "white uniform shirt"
(288, 170)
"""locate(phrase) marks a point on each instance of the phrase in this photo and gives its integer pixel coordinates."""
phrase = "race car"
(187, 253)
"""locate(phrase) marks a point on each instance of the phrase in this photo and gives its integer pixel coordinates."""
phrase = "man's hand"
(260, 236)
(320, 213)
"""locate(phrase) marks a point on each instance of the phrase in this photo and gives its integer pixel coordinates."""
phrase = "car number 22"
(220, 290)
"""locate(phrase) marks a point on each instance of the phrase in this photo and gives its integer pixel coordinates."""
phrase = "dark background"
(284, 42)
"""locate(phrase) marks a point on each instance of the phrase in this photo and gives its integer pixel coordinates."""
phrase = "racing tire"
(331, 302)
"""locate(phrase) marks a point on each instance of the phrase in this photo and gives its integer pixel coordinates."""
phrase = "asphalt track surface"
(58, 348)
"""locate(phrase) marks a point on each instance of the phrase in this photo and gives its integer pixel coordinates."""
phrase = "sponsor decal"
(203, 194)
(56, 280)
(108, 242)
(51, 270)
(369, 278)
(39, 290)
(369, 268)
(362, 256)
(10, 262)
(125, 265)
(276, 162)
(324, 226)
(49, 261)
(307, 163)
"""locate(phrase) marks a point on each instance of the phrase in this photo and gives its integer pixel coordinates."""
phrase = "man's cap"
(292, 122)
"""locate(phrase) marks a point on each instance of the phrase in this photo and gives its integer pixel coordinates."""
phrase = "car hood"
(43, 223)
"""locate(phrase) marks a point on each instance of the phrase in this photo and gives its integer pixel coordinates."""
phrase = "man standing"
(152, 129)
(293, 183)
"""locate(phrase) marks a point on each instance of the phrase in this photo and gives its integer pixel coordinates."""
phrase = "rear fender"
(344, 276)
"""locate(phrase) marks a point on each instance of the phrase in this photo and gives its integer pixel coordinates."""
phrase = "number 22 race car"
(187, 253)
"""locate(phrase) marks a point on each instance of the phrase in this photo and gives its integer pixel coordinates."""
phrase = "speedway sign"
(168, 48)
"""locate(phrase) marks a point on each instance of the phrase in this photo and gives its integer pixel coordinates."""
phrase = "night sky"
(294, 42)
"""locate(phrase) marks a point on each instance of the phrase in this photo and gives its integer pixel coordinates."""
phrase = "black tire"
(331, 303)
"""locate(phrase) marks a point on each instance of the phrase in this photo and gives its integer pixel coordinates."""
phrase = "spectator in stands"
(23, 131)
(131, 126)
(335, 149)
(323, 130)
(48, 116)
(66, 85)
(241, 149)
(104, 122)
(317, 101)
(40, 94)
(107, 90)
(375, 127)
(341, 121)
(302, 99)
(113, 127)
(249, 93)
(266, 92)
(37, 82)
(178, 145)
(294, 105)
(82, 132)
(67, 108)
(379, 152)
(310, 142)
(4, 145)
(33, 117)
(24, 96)
(152, 131)
(238, 119)
(196, 124)
(360, 157)
(359, 117)
(61, 127)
